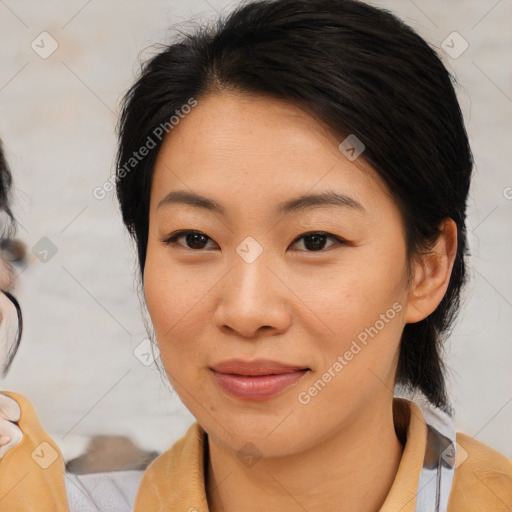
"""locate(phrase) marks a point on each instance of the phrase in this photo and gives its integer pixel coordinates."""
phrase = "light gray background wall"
(81, 311)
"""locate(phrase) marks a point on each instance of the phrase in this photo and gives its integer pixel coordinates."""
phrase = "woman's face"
(249, 286)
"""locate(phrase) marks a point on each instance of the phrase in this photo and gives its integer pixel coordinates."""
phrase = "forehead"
(254, 149)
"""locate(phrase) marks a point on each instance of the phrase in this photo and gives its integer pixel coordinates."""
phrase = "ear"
(431, 274)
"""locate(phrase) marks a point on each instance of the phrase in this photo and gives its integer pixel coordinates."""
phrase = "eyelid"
(326, 234)
(171, 239)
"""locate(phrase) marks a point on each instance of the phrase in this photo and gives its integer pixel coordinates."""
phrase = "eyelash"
(172, 239)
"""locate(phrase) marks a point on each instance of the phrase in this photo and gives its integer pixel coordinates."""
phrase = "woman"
(11, 324)
(295, 180)
(11, 250)
(21, 435)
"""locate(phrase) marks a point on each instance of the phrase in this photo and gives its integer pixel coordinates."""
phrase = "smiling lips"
(256, 380)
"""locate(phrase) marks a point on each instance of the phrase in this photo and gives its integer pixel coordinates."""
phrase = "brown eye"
(315, 241)
(194, 240)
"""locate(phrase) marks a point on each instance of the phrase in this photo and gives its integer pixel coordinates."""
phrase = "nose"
(252, 298)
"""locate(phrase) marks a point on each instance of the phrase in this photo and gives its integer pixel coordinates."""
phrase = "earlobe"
(431, 274)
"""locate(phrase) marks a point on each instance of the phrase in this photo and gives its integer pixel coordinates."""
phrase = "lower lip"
(257, 387)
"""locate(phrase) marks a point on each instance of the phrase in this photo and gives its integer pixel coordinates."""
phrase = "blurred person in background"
(104, 452)
(11, 324)
(12, 251)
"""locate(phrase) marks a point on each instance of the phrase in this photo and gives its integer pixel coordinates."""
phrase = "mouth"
(256, 380)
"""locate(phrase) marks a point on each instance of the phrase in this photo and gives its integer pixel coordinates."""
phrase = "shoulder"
(482, 479)
(31, 470)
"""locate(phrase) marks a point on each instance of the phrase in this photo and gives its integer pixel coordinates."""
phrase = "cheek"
(352, 295)
(176, 302)
(361, 306)
(359, 361)
(178, 299)
(168, 290)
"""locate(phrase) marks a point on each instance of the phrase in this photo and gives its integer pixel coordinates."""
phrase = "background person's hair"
(7, 225)
(7, 231)
(359, 70)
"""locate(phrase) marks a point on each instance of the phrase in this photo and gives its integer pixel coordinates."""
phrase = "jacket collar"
(176, 479)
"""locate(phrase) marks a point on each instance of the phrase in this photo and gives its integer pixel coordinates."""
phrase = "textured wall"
(82, 320)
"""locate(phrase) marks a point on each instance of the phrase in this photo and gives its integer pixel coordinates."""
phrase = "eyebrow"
(294, 205)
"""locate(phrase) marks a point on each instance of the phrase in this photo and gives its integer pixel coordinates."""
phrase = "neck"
(351, 470)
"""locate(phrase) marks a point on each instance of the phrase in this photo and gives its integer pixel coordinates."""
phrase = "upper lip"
(256, 367)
